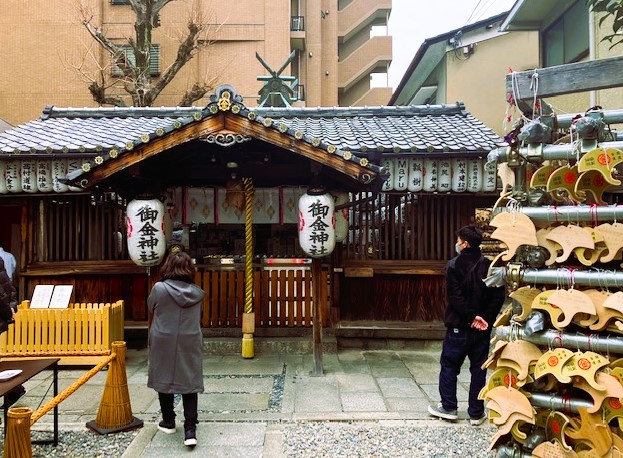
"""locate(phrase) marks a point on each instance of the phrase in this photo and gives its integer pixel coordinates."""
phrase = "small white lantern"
(29, 175)
(341, 216)
(430, 175)
(490, 177)
(389, 183)
(444, 175)
(459, 175)
(44, 175)
(59, 171)
(13, 176)
(401, 173)
(73, 165)
(317, 223)
(416, 175)
(146, 232)
(3, 189)
(474, 175)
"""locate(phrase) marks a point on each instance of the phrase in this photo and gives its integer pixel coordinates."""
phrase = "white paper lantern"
(430, 175)
(401, 173)
(341, 216)
(389, 183)
(73, 165)
(13, 176)
(44, 176)
(29, 175)
(317, 224)
(489, 182)
(3, 189)
(459, 175)
(59, 171)
(474, 175)
(146, 232)
(444, 175)
(416, 175)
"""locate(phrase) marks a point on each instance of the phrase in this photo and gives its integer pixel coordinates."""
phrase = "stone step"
(267, 345)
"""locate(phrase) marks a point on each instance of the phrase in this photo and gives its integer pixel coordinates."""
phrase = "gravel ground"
(83, 443)
(372, 440)
(312, 440)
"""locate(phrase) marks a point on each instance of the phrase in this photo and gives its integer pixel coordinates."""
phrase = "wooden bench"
(79, 335)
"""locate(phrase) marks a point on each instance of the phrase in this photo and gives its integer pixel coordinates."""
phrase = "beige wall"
(55, 69)
(609, 99)
(480, 81)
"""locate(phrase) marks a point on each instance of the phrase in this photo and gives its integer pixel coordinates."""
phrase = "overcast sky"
(412, 21)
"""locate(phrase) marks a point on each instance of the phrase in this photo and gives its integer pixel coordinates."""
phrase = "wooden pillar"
(317, 306)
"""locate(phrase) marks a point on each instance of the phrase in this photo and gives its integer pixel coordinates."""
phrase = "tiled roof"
(92, 130)
(360, 135)
(395, 129)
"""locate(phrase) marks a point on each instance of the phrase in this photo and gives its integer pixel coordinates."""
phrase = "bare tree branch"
(185, 52)
(98, 92)
(135, 69)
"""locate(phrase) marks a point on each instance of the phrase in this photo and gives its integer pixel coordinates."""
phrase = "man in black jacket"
(472, 309)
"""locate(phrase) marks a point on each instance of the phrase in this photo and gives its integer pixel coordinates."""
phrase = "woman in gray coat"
(175, 343)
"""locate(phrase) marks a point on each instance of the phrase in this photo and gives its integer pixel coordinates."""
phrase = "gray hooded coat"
(175, 338)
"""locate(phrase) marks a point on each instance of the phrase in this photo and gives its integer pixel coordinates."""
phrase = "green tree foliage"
(612, 9)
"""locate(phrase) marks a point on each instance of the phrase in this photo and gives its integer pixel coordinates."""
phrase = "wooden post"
(317, 300)
(565, 79)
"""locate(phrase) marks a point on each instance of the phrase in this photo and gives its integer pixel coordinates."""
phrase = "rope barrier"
(41, 411)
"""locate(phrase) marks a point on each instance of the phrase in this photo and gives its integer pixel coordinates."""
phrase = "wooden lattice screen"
(70, 228)
(404, 226)
(282, 297)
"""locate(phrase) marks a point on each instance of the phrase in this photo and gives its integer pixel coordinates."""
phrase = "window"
(297, 24)
(154, 64)
(119, 2)
(566, 40)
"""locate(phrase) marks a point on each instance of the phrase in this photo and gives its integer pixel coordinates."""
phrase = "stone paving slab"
(235, 417)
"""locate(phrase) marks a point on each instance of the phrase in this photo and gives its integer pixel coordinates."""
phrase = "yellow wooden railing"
(79, 334)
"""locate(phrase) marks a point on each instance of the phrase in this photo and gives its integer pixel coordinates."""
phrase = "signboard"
(61, 296)
(51, 296)
(41, 296)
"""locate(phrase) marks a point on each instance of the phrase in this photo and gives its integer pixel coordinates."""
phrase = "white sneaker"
(478, 421)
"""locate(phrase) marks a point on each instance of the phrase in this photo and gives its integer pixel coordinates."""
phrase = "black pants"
(457, 345)
(190, 408)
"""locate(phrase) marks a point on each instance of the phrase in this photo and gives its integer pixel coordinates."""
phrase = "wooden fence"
(79, 334)
(282, 297)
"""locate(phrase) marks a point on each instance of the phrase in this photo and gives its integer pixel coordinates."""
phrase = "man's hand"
(480, 323)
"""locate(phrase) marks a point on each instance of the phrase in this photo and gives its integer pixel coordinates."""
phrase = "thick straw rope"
(248, 245)
(56, 353)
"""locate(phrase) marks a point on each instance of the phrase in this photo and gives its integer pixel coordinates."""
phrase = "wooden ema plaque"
(513, 229)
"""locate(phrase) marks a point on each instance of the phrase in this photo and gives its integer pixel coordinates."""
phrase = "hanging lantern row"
(439, 175)
(146, 231)
(317, 223)
(32, 175)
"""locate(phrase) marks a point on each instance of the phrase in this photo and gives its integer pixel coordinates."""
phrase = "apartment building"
(49, 58)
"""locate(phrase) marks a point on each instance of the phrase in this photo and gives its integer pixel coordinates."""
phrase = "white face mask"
(457, 248)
